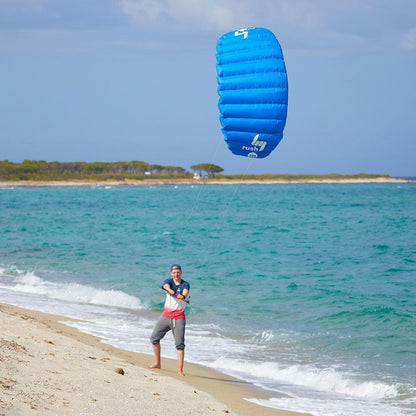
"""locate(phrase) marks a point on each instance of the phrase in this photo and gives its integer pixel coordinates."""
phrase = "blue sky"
(110, 80)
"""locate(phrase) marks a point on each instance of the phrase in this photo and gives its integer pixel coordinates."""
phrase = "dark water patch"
(381, 247)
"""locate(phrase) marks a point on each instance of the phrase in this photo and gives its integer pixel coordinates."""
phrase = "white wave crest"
(28, 282)
(324, 407)
(325, 380)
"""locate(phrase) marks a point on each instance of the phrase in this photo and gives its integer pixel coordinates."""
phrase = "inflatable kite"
(253, 91)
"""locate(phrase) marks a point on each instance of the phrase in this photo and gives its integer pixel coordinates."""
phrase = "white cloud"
(204, 15)
(144, 11)
(302, 23)
(408, 41)
(231, 14)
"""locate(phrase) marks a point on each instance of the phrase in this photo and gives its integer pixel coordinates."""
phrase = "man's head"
(176, 271)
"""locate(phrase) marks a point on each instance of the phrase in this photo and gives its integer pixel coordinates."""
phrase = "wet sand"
(48, 368)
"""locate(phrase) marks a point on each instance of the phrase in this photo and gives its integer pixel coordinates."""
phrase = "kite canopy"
(253, 90)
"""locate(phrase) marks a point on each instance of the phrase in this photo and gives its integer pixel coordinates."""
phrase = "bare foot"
(181, 373)
(155, 365)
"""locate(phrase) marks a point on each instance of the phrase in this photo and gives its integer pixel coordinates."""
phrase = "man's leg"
(156, 352)
(162, 326)
(181, 358)
(179, 334)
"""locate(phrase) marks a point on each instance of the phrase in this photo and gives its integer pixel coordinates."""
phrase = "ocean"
(307, 291)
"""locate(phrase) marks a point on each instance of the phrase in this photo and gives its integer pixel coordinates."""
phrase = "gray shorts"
(164, 325)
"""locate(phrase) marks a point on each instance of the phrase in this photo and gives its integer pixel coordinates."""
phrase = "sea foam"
(325, 407)
(324, 380)
(28, 282)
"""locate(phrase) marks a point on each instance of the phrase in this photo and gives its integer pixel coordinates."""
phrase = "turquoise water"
(305, 290)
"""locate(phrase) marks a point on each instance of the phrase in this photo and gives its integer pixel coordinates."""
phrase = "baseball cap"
(175, 267)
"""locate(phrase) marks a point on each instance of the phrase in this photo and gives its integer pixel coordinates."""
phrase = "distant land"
(41, 173)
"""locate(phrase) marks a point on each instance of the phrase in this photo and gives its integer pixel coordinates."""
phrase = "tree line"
(42, 170)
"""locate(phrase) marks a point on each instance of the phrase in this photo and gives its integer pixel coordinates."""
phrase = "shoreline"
(151, 182)
(52, 367)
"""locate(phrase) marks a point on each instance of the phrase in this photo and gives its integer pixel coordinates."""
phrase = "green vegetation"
(207, 169)
(305, 177)
(39, 170)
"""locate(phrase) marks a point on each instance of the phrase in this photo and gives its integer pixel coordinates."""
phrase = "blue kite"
(253, 91)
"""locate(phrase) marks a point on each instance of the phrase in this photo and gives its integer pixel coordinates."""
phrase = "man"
(173, 317)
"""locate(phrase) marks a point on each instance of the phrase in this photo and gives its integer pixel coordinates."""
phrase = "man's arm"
(168, 288)
(184, 294)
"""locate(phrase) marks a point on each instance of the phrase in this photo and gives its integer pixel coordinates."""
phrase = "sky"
(114, 80)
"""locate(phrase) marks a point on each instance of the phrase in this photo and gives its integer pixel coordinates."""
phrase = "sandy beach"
(212, 181)
(48, 368)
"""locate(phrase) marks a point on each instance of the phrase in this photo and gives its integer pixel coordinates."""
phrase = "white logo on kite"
(256, 146)
(256, 142)
(241, 32)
